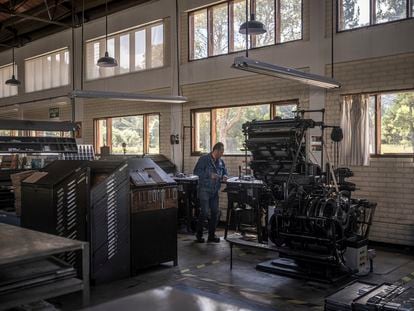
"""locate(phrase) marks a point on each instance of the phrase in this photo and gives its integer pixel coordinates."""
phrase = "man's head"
(218, 151)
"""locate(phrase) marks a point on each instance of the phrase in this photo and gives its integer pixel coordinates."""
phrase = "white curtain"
(355, 125)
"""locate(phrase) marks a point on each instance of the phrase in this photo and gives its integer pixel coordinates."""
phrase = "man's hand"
(225, 177)
(214, 176)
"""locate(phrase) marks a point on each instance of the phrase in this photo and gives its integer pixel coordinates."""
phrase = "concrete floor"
(204, 269)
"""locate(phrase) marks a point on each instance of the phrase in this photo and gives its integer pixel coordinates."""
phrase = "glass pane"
(38, 74)
(290, 20)
(390, 10)
(65, 68)
(92, 56)
(154, 134)
(124, 53)
(239, 17)
(29, 79)
(157, 46)
(140, 46)
(56, 70)
(128, 130)
(229, 123)
(5, 133)
(198, 34)
(371, 116)
(265, 13)
(6, 89)
(47, 72)
(101, 134)
(219, 29)
(397, 123)
(202, 132)
(353, 14)
(285, 111)
(107, 71)
(13, 89)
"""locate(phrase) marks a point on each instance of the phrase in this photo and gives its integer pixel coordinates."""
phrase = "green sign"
(53, 113)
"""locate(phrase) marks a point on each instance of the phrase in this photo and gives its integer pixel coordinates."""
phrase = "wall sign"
(53, 113)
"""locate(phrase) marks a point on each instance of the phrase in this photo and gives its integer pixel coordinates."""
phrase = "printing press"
(308, 215)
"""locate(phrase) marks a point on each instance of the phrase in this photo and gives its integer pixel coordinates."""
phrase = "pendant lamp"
(106, 61)
(13, 81)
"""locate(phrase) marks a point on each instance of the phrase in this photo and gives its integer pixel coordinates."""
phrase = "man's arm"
(200, 168)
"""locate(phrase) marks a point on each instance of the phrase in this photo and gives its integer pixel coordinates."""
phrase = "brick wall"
(387, 181)
(239, 91)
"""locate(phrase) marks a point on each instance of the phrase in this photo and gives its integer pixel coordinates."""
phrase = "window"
(215, 30)
(137, 49)
(392, 123)
(225, 124)
(201, 131)
(5, 74)
(47, 71)
(129, 134)
(359, 13)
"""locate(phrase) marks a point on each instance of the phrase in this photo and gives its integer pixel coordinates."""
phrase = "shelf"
(46, 291)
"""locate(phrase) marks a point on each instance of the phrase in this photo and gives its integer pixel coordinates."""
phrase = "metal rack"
(21, 245)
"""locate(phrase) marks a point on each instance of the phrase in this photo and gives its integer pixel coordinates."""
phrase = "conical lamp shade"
(107, 61)
(13, 81)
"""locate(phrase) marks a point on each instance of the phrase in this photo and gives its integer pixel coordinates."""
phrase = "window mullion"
(132, 51)
(277, 22)
(373, 12)
(230, 26)
(148, 50)
(210, 43)
(378, 118)
(213, 128)
(145, 134)
(109, 132)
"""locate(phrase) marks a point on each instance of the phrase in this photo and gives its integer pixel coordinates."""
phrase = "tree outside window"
(359, 13)
(225, 124)
(139, 134)
(215, 30)
(394, 122)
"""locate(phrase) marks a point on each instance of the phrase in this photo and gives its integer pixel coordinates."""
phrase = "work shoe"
(214, 239)
(200, 239)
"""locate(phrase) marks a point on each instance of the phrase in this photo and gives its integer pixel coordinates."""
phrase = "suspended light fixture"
(247, 64)
(13, 81)
(252, 26)
(106, 61)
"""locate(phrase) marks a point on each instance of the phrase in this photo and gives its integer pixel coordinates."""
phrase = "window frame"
(132, 65)
(372, 16)
(230, 33)
(272, 110)
(54, 52)
(9, 66)
(377, 125)
(145, 138)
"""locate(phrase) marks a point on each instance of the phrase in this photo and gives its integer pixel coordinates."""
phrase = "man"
(210, 170)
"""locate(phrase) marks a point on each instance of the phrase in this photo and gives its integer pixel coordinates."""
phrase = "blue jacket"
(204, 168)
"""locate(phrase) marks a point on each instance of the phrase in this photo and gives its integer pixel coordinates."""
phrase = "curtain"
(355, 125)
(47, 71)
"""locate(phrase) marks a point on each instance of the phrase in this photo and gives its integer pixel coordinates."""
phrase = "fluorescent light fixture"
(129, 96)
(247, 64)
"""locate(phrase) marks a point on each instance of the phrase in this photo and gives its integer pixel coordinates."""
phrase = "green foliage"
(351, 13)
(397, 126)
(129, 130)
(389, 10)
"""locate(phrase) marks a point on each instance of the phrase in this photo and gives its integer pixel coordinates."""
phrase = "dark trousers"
(208, 202)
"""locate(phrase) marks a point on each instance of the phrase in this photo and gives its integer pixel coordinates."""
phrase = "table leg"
(231, 256)
(85, 274)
